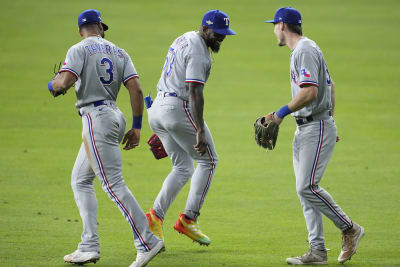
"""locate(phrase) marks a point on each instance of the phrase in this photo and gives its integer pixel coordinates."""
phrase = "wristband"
(50, 86)
(137, 122)
(283, 111)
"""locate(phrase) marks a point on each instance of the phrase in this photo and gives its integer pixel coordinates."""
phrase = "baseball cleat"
(191, 229)
(312, 257)
(80, 257)
(155, 223)
(350, 240)
(142, 258)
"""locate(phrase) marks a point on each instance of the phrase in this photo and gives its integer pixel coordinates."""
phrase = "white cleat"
(350, 240)
(312, 257)
(80, 257)
(142, 258)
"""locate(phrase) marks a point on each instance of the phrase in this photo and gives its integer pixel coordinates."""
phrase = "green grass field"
(252, 212)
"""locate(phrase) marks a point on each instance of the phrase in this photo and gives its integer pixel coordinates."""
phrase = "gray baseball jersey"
(100, 67)
(308, 67)
(188, 60)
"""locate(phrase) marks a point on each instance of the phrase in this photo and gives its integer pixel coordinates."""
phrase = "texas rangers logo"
(209, 22)
(305, 73)
(226, 21)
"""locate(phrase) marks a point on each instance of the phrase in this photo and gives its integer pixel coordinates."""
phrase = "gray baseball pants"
(313, 146)
(100, 155)
(171, 120)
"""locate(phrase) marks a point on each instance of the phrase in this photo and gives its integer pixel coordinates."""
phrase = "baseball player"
(176, 116)
(98, 67)
(312, 106)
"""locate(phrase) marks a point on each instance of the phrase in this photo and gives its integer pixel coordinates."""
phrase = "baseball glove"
(157, 147)
(266, 131)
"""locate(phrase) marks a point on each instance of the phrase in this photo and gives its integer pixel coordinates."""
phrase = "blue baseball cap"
(218, 21)
(287, 15)
(89, 16)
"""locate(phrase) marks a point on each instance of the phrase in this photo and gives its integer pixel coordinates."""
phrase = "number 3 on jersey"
(109, 70)
(169, 61)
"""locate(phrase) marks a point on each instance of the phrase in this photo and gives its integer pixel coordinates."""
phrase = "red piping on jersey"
(134, 76)
(70, 71)
(308, 83)
(194, 82)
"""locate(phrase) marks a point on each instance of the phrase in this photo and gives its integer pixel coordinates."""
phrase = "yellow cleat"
(155, 223)
(191, 229)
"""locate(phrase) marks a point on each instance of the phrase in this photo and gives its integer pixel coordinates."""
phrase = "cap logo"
(84, 20)
(226, 21)
(209, 22)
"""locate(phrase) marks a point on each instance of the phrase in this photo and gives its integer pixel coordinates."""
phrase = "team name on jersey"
(96, 48)
(182, 42)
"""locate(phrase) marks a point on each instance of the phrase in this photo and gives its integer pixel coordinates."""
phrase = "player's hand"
(55, 94)
(131, 139)
(201, 146)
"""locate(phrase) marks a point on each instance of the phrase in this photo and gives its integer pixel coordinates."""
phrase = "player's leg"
(173, 115)
(313, 218)
(182, 170)
(164, 119)
(322, 200)
(315, 227)
(319, 141)
(85, 198)
(202, 177)
(103, 130)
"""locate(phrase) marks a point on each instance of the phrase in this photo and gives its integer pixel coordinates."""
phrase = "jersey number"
(169, 61)
(109, 70)
(328, 77)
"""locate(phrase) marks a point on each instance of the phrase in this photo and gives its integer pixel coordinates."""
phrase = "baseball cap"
(90, 15)
(218, 21)
(287, 15)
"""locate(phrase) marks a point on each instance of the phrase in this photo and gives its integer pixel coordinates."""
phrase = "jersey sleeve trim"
(302, 83)
(194, 81)
(130, 77)
(71, 71)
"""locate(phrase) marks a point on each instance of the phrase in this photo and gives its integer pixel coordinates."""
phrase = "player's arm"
(61, 83)
(69, 72)
(196, 100)
(307, 94)
(308, 62)
(333, 97)
(132, 137)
